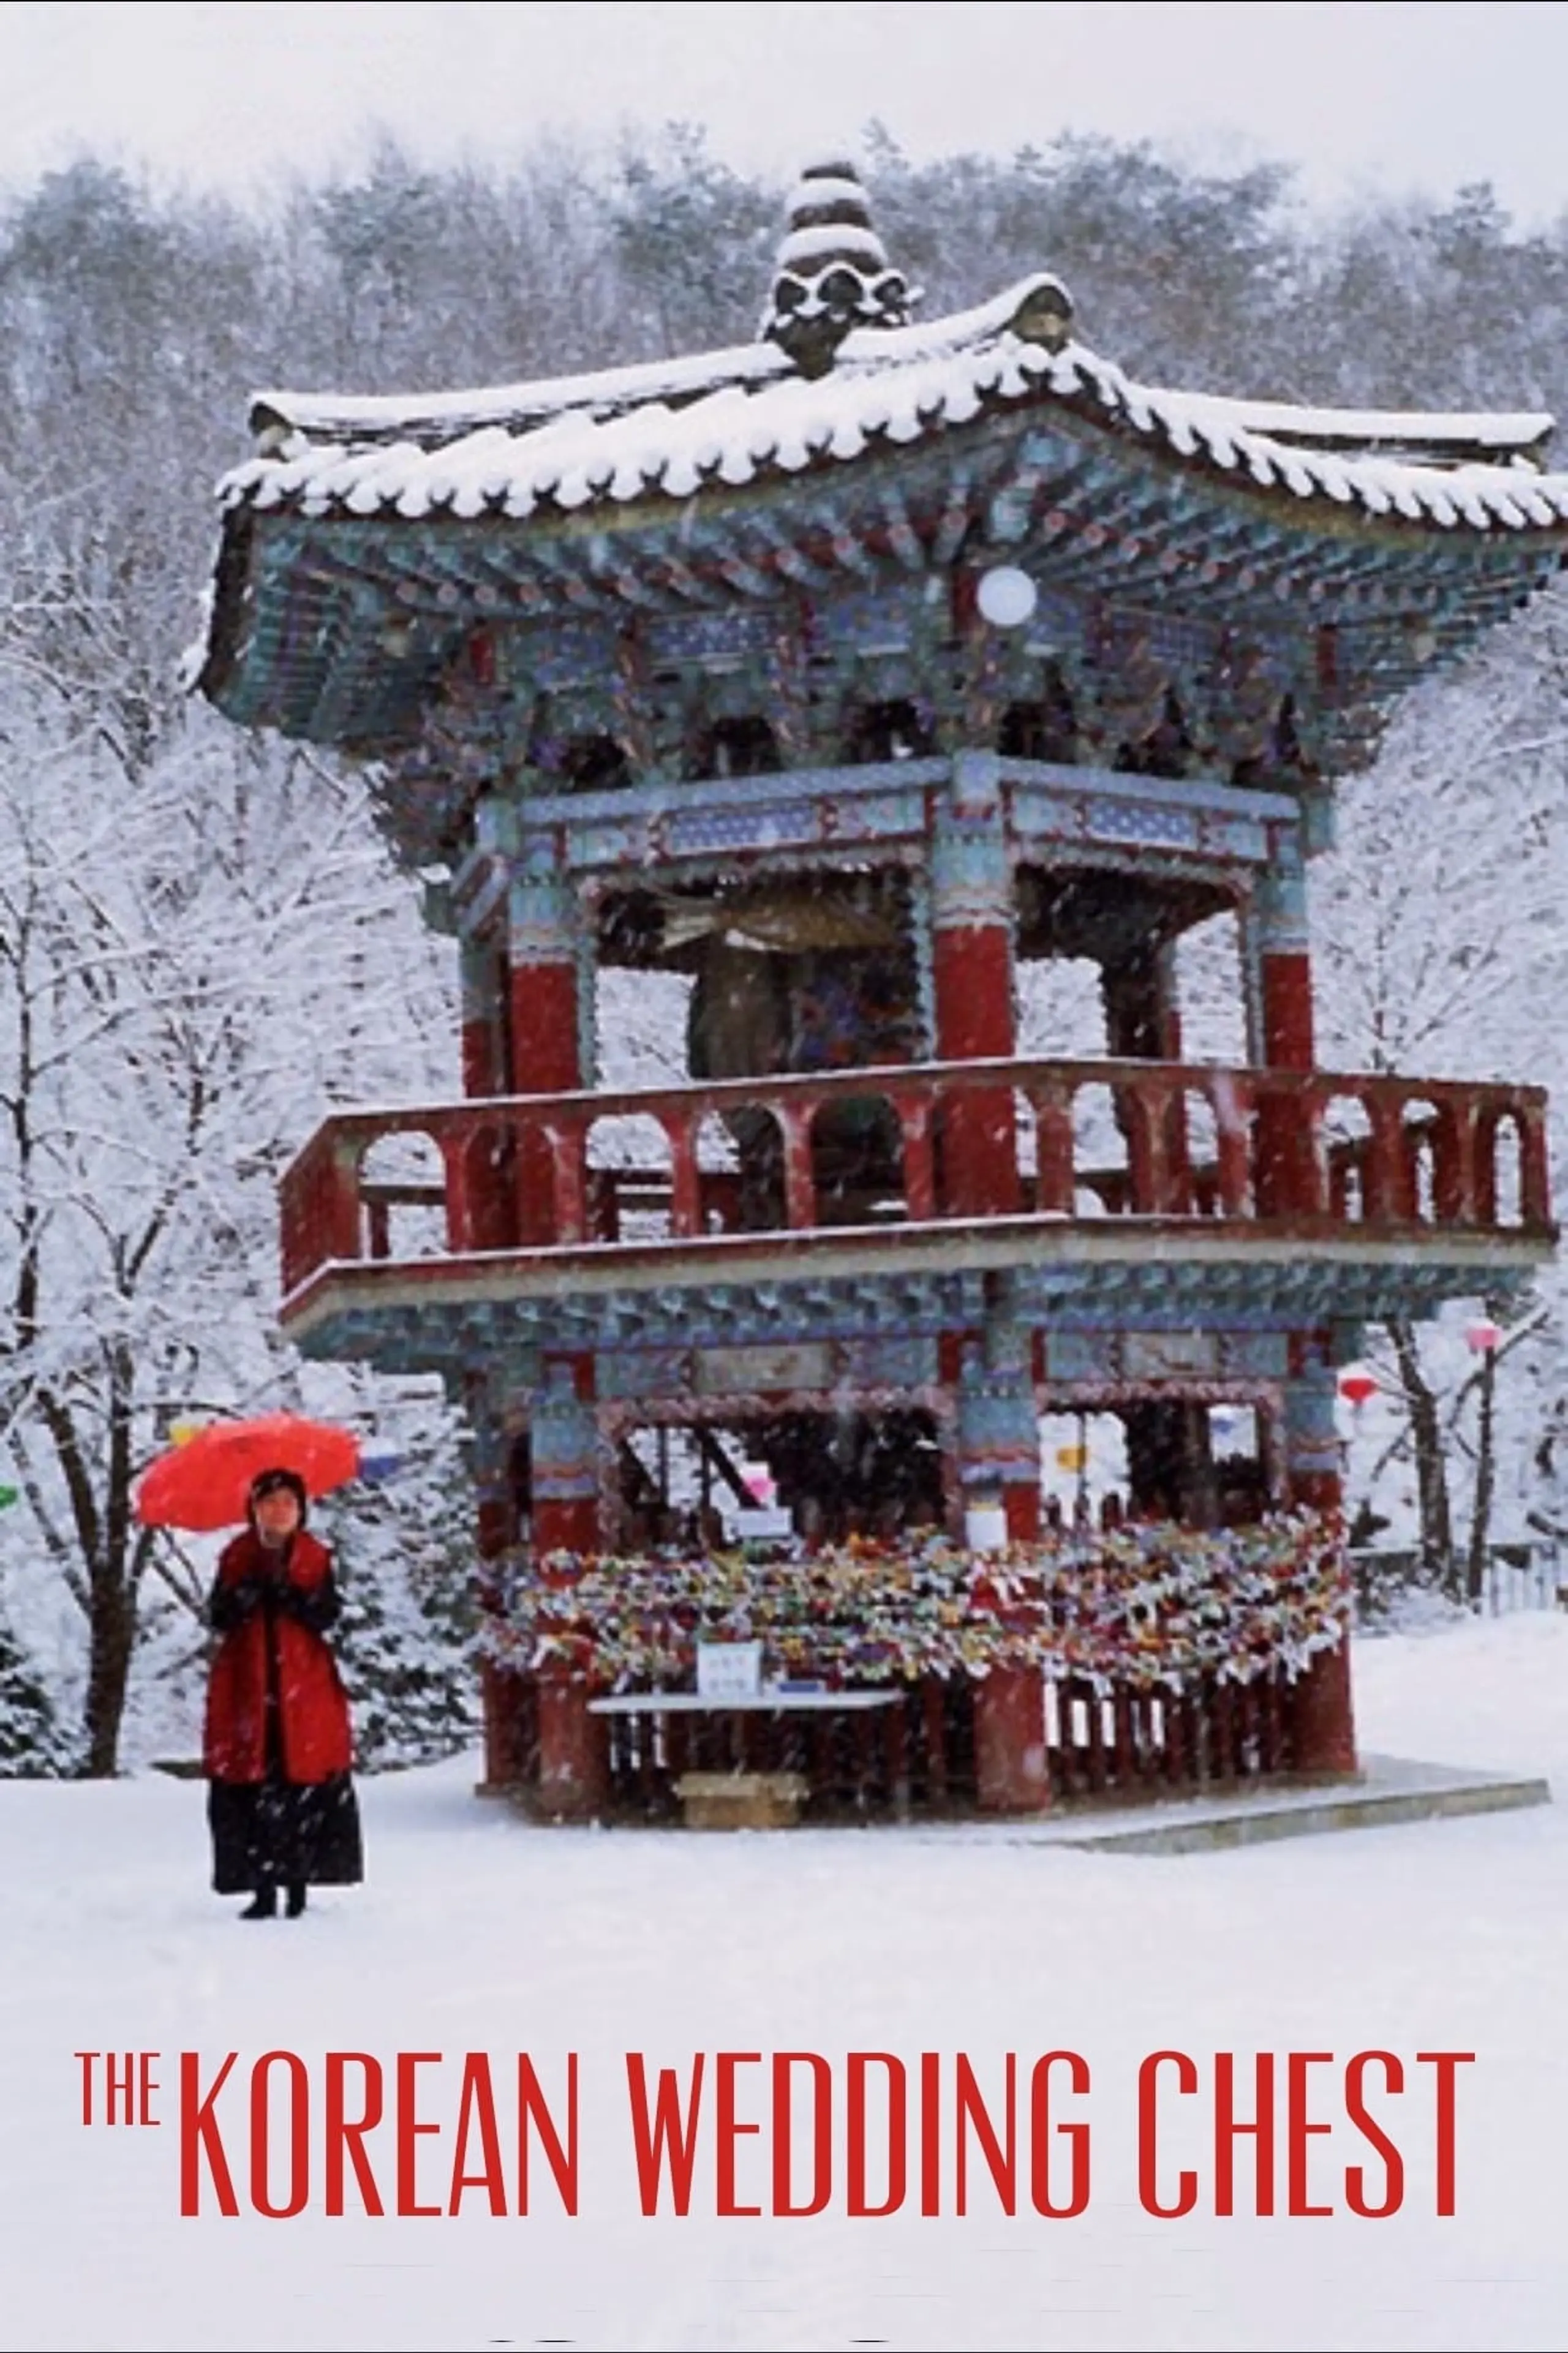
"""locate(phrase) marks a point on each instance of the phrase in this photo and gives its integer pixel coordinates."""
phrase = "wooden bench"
(742, 1801)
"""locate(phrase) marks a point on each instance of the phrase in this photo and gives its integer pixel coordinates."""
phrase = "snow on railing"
(922, 1144)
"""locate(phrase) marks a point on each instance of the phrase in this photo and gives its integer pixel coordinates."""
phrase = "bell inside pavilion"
(825, 689)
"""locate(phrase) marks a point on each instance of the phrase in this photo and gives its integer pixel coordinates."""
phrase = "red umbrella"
(206, 1483)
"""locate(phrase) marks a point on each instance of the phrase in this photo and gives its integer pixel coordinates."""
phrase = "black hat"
(270, 1482)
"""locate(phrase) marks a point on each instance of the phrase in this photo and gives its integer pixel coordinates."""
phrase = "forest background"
(205, 943)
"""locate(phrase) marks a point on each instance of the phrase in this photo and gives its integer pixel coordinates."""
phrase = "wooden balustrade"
(1121, 1743)
(864, 1146)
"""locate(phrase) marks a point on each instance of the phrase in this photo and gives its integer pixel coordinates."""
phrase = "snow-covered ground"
(476, 1933)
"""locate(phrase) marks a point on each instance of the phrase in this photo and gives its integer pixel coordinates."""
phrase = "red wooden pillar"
(1281, 1024)
(574, 1765)
(1323, 1715)
(971, 976)
(481, 1217)
(1012, 1775)
(999, 1460)
(1284, 998)
(998, 1423)
(544, 1027)
(573, 1747)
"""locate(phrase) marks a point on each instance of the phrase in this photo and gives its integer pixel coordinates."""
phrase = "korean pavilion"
(828, 683)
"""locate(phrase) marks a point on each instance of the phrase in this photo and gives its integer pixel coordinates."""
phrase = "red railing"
(924, 1143)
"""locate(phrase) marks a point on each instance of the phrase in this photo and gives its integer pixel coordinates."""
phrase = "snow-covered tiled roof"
(738, 417)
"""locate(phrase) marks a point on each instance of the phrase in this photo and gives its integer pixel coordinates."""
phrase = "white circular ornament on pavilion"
(1007, 597)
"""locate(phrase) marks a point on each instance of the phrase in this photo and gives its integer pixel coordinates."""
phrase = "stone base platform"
(1387, 1790)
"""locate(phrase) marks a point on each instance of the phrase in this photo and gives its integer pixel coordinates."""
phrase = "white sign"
(774, 1526)
(798, 1365)
(985, 1528)
(1165, 1356)
(729, 1670)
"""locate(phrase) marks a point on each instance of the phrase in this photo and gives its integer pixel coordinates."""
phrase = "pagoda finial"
(832, 272)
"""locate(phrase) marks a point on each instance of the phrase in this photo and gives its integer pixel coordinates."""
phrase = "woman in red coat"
(280, 1800)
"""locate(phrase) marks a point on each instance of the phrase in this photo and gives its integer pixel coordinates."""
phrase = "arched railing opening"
(1422, 1128)
(1345, 1143)
(403, 1198)
(1507, 1171)
(1101, 1161)
(857, 1161)
(749, 1184)
(1345, 1140)
(719, 1162)
(1234, 1116)
(630, 1173)
(498, 1189)
(1198, 1171)
(1026, 1135)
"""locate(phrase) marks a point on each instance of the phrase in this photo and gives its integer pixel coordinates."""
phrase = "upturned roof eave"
(1308, 514)
(906, 406)
(435, 418)
(580, 463)
(614, 391)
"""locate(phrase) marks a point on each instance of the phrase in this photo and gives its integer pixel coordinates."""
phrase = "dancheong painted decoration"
(831, 683)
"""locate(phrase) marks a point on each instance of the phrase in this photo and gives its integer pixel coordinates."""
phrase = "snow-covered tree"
(405, 1559)
(33, 1742)
(198, 957)
(1442, 952)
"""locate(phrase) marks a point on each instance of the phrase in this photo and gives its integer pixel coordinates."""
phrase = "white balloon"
(1007, 597)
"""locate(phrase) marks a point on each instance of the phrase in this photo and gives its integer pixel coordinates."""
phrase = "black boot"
(296, 1902)
(264, 1905)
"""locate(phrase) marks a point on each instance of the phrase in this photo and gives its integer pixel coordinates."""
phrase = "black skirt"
(278, 1834)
